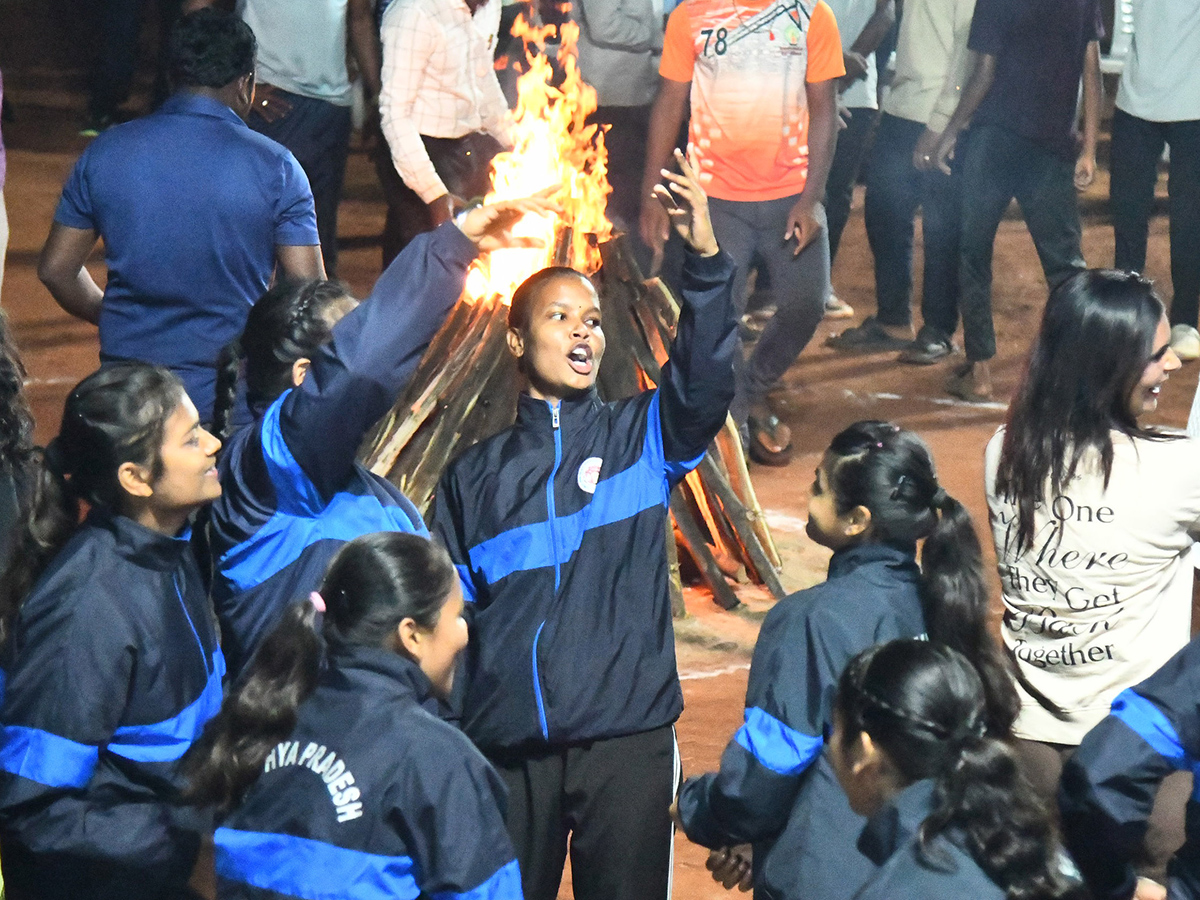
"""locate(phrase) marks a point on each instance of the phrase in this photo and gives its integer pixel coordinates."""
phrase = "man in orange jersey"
(762, 79)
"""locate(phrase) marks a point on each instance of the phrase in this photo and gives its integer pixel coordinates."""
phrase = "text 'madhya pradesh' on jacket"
(775, 788)
(371, 796)
(1108, 786)
(557, 526)
(294, 492)
(112, 670)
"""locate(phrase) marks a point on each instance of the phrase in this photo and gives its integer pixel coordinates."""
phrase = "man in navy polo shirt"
(195, 210)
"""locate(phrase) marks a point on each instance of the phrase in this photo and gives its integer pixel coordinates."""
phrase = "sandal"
(770, 440)
(869, 337)
(961, 385)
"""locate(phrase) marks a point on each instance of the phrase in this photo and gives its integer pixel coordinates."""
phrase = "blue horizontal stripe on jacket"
(778, 747)
(639, 487)
(1151, 725)
(302, 517)
(46, 758)
(168, 740)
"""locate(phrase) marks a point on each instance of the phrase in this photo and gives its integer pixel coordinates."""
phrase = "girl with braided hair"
(321, 369)
(950, 816)
(875, 495)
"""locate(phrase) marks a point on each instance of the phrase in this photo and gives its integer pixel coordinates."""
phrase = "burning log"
(465, 387)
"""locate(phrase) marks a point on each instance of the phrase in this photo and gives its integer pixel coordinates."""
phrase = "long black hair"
(113, 416)
(889, 471)
(1096, 339)
(42, 518)
(373, 583)
(925, 707)
(289, 322)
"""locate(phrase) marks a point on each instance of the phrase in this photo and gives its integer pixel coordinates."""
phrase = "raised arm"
(355, 378)
(697, 381)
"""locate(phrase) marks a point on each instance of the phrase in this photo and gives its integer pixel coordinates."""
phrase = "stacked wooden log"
(466, 387)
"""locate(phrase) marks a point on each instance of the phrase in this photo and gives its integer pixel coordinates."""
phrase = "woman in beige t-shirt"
(1093, 512)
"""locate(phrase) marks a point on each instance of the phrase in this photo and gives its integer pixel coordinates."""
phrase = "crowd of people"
(234, 660)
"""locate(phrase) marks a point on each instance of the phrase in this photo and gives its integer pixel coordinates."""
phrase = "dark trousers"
(318, 134)
(799, 285)
(998, 165)
(894, 191)
(463, 165)
(118, 27)
(1137, 147)
(625, 142)
(1042, 764)
(611, 797)
(853, 141)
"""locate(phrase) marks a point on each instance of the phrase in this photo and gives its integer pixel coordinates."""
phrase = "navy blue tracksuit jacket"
(775, 788)
(112, 671)
(293, 491)
(944, 870)
(372, 796)
(1109, 784)
(557, 526)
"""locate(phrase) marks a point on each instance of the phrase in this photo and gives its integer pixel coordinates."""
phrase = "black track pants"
(611, 797)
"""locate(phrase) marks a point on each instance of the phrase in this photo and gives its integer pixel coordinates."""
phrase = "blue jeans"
(894, 191)
(318, 134)
(799, 284)
(1137, 146)
(999, 165)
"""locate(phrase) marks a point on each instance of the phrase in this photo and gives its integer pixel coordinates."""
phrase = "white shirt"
(931, 61)
(620, 43)
(852, 16)
(438, 81)
(301, 46)
(1104, 596)
(1161, 79)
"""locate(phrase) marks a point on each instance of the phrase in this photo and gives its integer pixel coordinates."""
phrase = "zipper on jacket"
(187, 615)
(537, 686)
(550, 515)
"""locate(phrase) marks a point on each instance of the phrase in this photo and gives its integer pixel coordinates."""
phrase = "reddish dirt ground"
(823, 392)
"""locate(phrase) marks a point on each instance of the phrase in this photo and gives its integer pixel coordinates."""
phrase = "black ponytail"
(925, 707)
(289, 322)
(889, 471)
(114, 416)
(373, 583)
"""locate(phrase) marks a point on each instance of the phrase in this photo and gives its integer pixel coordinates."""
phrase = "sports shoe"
(929, 347)
(95, 124)
(1185, 341)
(836, 308)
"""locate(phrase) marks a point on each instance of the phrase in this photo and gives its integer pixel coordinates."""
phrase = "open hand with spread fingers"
(686, 205)
(490, 226)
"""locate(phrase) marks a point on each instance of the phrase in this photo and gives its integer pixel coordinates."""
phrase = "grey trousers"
(799, 284)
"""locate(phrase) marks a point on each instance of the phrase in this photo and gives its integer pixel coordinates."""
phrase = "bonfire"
(466, 386)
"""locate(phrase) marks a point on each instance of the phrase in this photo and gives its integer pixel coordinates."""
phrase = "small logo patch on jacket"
(589, 474)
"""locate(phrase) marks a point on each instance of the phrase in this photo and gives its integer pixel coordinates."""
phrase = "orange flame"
(551, 145)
